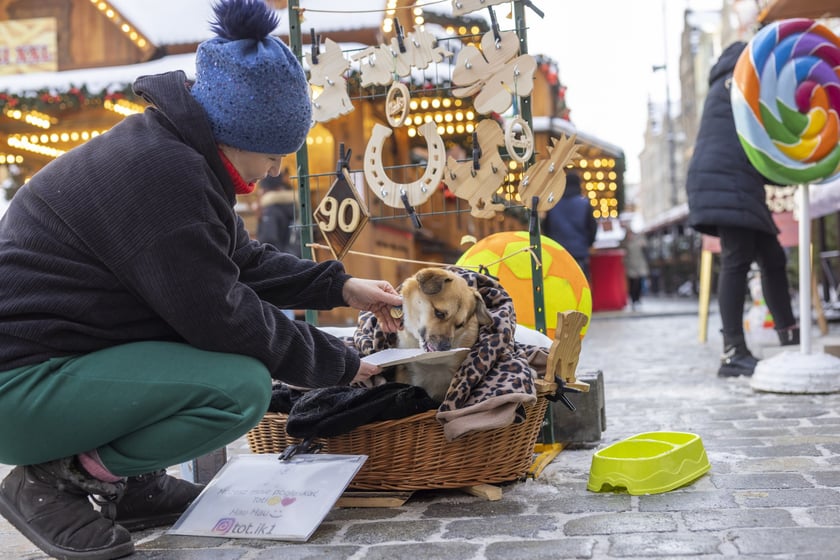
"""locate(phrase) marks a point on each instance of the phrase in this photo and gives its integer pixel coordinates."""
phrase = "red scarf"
(239, 184)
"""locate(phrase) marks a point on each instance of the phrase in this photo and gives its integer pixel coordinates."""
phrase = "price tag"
(341, 215)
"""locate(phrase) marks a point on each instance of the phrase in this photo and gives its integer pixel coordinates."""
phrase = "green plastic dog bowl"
(649, 463)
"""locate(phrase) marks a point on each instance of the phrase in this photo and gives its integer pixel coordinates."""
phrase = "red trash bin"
(608, 281)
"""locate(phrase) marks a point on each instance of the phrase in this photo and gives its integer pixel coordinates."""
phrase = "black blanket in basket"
(332, 411)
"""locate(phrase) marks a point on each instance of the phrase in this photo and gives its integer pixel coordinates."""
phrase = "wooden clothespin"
(497, 34)
(400, 35)
(476, 154)
(412, 213)
(315, 46)
(343, 160)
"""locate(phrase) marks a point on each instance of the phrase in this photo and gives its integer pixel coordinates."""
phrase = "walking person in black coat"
(726, 199)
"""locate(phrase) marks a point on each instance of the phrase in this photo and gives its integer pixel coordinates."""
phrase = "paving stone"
(822, 540)
(652, 545)
(720, 519)
(521, 526)
(762, 480)
(616, 523)
(540, 550)
(803, 497)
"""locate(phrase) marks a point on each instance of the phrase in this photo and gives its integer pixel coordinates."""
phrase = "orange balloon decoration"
(564, 285)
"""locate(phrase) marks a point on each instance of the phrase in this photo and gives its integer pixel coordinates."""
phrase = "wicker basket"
(412, 453)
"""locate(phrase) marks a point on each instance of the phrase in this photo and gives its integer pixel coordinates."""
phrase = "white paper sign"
(260, 497)
(394, 356)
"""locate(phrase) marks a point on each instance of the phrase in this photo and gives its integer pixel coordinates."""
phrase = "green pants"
(143, 406)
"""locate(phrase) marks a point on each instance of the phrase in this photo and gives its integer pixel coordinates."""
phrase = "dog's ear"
(432, 280)
(481, 312)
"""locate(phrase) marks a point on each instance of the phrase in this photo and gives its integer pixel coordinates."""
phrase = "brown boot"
(48, 503)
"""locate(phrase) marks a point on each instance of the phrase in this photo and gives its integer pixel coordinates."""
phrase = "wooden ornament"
(521, 140)
(418, 191)
(494, 74)
(477, 186)
(382, 64)
(396, 104)
(564, 353)
(547, 178)
(341, 215)
(328, 74)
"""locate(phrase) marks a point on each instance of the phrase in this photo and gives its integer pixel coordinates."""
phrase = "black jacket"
(724, 189)
(132, 236)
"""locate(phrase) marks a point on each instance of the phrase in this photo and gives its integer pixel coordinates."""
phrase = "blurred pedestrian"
(727, 199)
(635, 264)
(278, 205)
(571, 222)
(277, 225)
(140, 326)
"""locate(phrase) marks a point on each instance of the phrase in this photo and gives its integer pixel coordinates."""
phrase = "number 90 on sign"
(341, 215)
(345, 214)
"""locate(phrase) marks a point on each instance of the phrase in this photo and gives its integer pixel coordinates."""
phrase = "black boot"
(736, 359)
(788, 336)
(154, 499)
(48, 503)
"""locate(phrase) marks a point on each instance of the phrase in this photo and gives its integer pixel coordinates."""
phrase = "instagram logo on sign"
(224, 525)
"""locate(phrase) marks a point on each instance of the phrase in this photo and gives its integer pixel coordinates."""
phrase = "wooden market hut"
(67, 67)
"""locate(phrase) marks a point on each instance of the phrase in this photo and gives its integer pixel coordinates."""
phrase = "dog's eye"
(440, 314)
(459, 326)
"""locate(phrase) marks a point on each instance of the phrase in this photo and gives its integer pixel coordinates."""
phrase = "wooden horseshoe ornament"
(396, 104)
(418, 191)
(521, 140)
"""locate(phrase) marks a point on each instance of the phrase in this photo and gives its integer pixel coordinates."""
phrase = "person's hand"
(366, 371)
(377, 296)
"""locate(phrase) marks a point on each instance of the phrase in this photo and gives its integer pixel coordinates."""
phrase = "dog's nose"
(440, 343)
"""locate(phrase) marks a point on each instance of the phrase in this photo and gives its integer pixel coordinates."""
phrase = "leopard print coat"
(496, 379)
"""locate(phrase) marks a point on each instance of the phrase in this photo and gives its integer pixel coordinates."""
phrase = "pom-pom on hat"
(251, 85)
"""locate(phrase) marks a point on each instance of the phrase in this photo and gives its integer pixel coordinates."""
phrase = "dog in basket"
(440, 312)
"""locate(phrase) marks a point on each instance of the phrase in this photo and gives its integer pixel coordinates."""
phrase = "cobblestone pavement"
(773, 490)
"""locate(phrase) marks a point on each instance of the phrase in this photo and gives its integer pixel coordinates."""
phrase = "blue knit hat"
(251, 85)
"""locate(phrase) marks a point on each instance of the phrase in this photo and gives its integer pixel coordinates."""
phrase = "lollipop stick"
(804, 271)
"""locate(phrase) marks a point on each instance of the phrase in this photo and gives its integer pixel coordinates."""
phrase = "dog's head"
(441, 310)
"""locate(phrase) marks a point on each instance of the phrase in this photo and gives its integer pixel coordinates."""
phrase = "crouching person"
(140, 327)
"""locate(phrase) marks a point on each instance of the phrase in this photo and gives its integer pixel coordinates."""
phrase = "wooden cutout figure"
(328, 74)
(461, 7)
(341, 215)
(477, 186)
(418, 191)
(518, 136)
(547, 178)
(564, 353)
(494, 73)
(396, 104)
(383, 64)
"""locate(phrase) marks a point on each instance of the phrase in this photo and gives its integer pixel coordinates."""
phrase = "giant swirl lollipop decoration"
(786, 101)
(786, 105)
